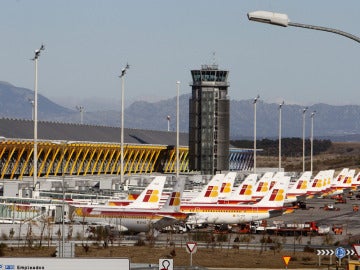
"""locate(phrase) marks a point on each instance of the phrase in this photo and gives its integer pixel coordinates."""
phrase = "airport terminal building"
(81, 150)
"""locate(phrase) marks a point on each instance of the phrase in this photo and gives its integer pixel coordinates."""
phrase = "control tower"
(209, 120)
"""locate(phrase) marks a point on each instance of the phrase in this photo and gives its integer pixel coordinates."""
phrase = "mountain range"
(338, 123)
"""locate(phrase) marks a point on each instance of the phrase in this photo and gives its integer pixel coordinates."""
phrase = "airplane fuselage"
(132, 219)
(227, 214)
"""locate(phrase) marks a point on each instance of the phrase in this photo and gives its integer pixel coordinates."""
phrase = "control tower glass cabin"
(209, 120)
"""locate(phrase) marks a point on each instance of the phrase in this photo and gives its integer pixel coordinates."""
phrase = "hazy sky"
(88, 42)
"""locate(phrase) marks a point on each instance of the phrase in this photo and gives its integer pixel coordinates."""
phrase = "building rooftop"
(24, 129)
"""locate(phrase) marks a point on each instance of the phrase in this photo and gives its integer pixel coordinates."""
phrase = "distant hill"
(338, 123)
(15, 102)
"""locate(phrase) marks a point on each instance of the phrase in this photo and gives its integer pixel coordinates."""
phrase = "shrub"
(309, 249)
(78, 236)
(139, 243)
(2, 247)
(4, 236)
(221, 238)
(202, 236)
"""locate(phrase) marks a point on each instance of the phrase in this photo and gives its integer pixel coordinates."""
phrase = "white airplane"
(269, 206)
(209, 193)
(220, 186)
(344, 180)
(150, 197)
(327, 182)
(337, 180)
(227, 185)
(356, 182)
(137, 217)
(299, 188)
(316, 185)
(151, 194)
(321, 184)
(243, 193)
(262, 186)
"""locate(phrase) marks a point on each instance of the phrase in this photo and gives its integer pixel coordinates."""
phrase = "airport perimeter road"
(317, 209)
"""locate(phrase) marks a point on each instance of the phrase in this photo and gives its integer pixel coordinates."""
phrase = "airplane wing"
(275, 213)
(169, 220)
(118, 227)
(196, 219)
(164, 222)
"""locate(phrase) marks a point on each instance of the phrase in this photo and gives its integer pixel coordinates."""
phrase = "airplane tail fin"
(245, 190)
(267, 175)
(227, 184)
(173, 201)
(345, 179)
(301, 185)
(326, 180)
(275, 178)
(210, 193)
(356, 181)
(316, 184)
(330, 177)
(350, 178)
(276, 196)
(150, 197)
(340, 177)
(263, 185)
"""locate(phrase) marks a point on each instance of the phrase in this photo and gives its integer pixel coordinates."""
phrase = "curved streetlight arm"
(326, 29)
(281, 19)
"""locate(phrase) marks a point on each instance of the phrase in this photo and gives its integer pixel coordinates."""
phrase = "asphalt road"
(342, 215)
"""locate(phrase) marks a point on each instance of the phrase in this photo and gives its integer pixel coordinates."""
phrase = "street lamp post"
(283, 20)
(81, 110)
(63, 145)
(254, 102)
(35, 59)
(280, 107)
(31, 101)
(303, 137)
(312, 140)
(177, 128)
(168, 122)
(122, 76)
(63, 202)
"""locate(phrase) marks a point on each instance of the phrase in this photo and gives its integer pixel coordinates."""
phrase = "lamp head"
(123, 71)
(37, 52)
(269, 18)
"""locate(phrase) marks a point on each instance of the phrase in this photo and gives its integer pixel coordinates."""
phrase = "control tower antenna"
(213, 59)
